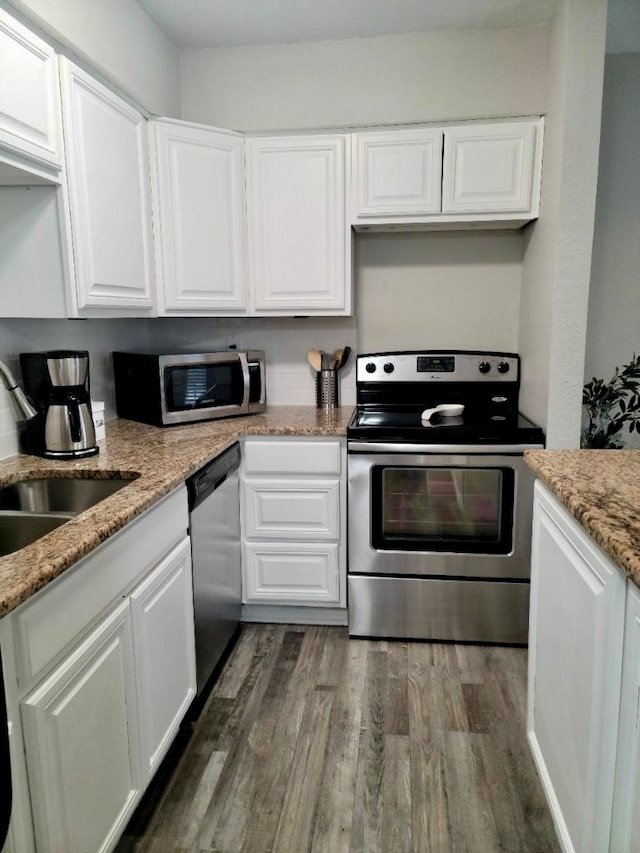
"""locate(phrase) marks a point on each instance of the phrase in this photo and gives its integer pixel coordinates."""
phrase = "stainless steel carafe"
(58, 383)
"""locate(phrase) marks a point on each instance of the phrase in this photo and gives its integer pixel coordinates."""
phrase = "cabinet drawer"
(60, 613)
(301, 573)
(292, 457)
(288, 510)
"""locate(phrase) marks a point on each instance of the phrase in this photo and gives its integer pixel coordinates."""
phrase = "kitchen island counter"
(601, 490)
(157, 460)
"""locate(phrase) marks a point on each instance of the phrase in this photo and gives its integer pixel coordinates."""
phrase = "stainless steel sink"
(18, 529)
(66, 495)
(31, 508)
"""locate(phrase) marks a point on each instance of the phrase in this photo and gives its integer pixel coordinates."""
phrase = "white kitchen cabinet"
(199, 214)
(625, 827)
(293, 500)
(80, 739)
(451, 177)
(99, 671)
(303, 573)
(298, 244)
(29, 107)
(108, 198)
(492, 168)
(162, 615)
(575, 662)
(397, 172)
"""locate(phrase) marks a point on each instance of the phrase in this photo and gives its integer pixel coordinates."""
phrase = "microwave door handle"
(244, 364)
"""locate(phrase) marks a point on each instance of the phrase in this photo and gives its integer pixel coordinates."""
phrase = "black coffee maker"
(57, 382)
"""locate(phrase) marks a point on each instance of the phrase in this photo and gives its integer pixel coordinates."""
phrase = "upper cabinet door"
(109, 204)
(29, 101)
(298, 247)
(492, 168)
(199, 214)
(397, 173)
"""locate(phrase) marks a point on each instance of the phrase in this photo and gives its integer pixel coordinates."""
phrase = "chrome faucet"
(23, 409)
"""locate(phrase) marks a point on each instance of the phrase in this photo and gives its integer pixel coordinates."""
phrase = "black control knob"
(370, 367)
(388, 368)
(503, 367)
(484, 367)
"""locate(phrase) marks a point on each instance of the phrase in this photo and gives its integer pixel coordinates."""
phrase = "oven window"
(203, 386)
(466, 510)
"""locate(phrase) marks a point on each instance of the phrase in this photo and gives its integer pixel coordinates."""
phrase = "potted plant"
(611, 405)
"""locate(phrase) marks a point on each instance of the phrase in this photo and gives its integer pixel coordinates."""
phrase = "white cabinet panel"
(625, 827)
(82, 762)
(284, 509)
(297, 456)
(108, 174)
(29, 98)
(298, 248)
(577, 612)
(284, 573)
(492, 168)
(198, 198)
(164, 645)
(397, 173)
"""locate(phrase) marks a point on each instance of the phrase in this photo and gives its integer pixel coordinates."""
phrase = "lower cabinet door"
(162, 612)
(625, 826)
(288, 573)
(575, 668)
(82, 758)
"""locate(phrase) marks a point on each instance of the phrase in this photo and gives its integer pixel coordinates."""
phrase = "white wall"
(390, 79)
(119, 40)
(556, 267)
(456, 290)
(613, 333)
(290, 380)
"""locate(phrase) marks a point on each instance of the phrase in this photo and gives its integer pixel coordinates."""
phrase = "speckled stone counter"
(601, 490)
(157, 460)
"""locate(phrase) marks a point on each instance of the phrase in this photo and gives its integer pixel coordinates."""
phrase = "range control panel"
(437, 366)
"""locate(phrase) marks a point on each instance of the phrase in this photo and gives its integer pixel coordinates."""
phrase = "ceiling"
(226, 23)
(219, 23)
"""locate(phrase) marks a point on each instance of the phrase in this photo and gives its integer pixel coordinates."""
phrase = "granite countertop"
(601, 490)
(157, 459)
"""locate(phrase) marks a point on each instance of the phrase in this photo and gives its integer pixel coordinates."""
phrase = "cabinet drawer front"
(292, 457)
(286, 510)
(52, 619)
(300, 573)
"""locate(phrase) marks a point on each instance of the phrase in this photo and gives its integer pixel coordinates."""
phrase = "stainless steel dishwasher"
(214, 508)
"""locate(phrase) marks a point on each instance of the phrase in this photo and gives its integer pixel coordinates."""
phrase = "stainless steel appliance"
(57, 382)
(214, 505)
(167, 389)
(439, 507)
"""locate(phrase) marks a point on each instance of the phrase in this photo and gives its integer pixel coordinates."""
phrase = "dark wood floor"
(314, 742)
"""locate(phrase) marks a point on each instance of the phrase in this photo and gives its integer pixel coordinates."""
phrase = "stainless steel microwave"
(167, 389)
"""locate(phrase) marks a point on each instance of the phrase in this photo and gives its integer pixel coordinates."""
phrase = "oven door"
(439, 511)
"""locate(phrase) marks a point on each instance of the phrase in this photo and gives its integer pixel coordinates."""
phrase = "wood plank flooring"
(314, 743)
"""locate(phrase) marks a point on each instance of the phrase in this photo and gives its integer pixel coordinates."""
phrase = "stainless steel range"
(440, 498)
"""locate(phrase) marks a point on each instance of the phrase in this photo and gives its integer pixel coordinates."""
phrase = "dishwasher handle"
(208, 479)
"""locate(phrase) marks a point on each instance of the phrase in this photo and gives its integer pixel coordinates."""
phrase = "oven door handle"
(354, 446)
